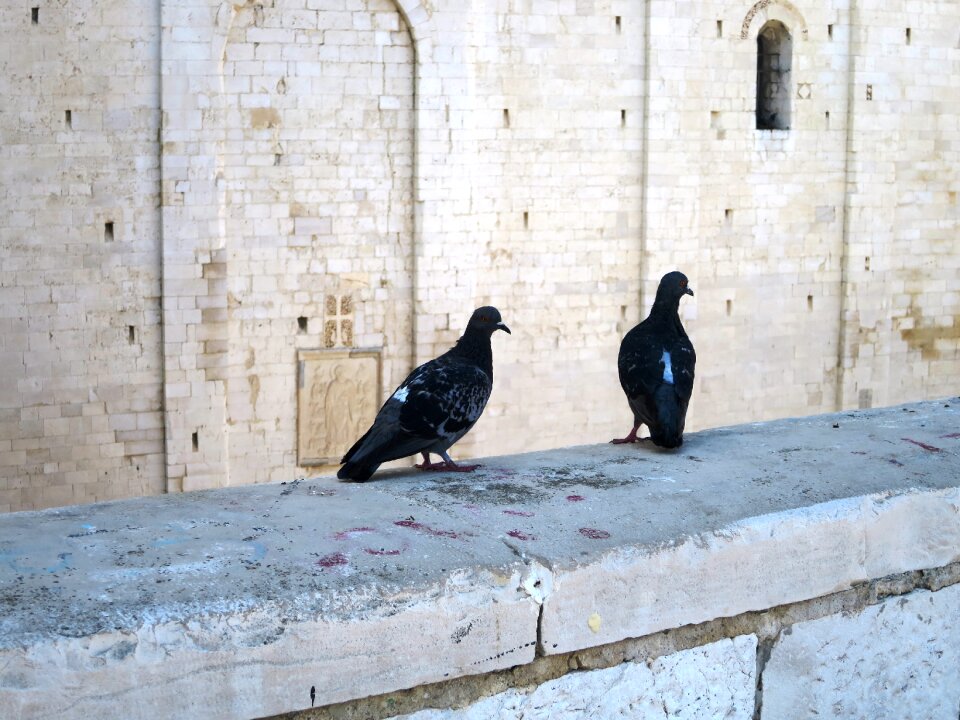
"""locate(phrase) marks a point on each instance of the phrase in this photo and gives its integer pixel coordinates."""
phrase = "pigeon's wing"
(444, 402)
(387, 439)
(684, 362)
(640, 363)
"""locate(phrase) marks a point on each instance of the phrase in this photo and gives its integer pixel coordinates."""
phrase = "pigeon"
(656, 367)
(434, 407)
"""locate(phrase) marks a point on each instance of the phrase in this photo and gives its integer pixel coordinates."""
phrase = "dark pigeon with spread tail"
(434, 407)
(656, 366)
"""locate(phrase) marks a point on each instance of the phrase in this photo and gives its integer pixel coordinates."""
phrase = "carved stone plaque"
(338, 395)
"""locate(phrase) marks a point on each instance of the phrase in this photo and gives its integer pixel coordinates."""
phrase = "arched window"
(774, 52)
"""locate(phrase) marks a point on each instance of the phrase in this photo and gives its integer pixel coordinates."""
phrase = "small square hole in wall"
(108, 231)
(866, 263)
(506, 118)
(809, 302)
(728, 217)
(195, 440)
(908, 36)
(35, 15)
(616, 22)
(526, 220)
(830, 32)
(131, 334)
(719, 28)
(826, 120)
(623, 118)
(301, 325)
(729, 307)
(68, 119)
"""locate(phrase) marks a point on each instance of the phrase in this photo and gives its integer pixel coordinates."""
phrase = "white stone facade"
(898, 659)
(717, 680)
(229, 173)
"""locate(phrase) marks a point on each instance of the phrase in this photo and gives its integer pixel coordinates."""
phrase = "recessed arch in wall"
(315, 201)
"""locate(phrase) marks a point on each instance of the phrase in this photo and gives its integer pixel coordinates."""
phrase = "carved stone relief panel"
(338, 394)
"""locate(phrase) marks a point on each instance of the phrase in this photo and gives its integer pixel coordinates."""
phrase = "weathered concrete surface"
(234, 603)
(898, 659)
(717, 680)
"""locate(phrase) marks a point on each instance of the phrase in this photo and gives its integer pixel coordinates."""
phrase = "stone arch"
(774, 82)
(781, 10)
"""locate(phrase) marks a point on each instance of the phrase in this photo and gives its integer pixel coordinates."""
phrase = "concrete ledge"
(235, 603)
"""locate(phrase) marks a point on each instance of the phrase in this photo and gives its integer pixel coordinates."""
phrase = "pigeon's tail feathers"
(356, 471)
(380, 444)
(668, 432)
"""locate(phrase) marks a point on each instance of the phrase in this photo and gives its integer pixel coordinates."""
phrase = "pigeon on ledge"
(656, 367)
(434, 407)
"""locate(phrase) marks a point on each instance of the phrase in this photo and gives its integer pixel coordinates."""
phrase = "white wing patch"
(667, 368)
(401, 394)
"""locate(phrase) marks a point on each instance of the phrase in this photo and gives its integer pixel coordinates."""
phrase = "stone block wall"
(81, 372)
(361, 174)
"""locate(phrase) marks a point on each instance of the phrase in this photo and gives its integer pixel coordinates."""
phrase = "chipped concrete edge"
(767, 626)
(757, 563)
(271, 664)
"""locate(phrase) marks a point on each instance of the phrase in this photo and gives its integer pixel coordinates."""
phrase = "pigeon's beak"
(501, 326)
(689, 292)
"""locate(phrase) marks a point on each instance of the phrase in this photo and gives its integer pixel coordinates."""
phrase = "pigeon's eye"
(483, 318)
(683, 283)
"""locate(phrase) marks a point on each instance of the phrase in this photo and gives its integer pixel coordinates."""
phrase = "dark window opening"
(68, 119)
(301, 324)
(774, 60)
(35, 15)
(719, 28)
(108, 232)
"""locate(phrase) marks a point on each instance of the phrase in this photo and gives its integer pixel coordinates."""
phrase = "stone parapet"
(255, 601)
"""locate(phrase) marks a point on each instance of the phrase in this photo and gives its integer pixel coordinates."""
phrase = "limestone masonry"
(220, 219)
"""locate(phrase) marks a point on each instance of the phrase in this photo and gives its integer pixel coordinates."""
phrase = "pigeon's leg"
(427, 465)
(453, 467)
(631, 438)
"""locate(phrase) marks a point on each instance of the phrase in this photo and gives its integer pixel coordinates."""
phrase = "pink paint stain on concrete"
(332, 560)
(519, 513)
(520, 535)
(420, 527)
(346, 534)
(594, 534)
(381, 551)
(575, 498)
(925, 446)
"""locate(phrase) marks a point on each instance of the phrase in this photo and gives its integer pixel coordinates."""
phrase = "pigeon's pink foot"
(631, 438)
(452, 467)
(432, 467)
